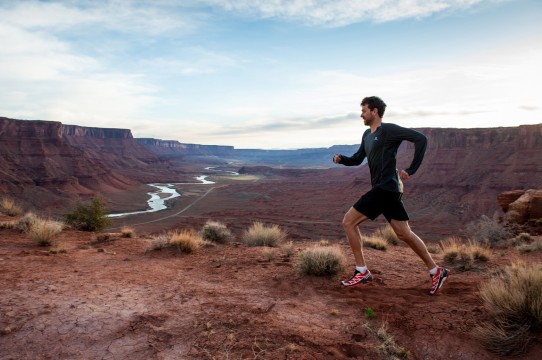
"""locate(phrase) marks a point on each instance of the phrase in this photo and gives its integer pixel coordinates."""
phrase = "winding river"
(157, 202)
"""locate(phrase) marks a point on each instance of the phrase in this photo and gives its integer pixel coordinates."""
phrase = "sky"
(270, 74)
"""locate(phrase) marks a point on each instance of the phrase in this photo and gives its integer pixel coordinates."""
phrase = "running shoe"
(358, 278)
(438, 279)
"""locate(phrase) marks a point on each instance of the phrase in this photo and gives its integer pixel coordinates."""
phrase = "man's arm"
(355, 159)
(420, 145)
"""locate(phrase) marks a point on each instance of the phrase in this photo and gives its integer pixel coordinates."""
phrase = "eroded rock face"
(43, 162)
(521, 206)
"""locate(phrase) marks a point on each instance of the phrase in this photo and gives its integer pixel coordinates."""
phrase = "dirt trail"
(115, 300)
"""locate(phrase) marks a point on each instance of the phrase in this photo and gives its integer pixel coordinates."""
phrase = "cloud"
(123, 16)
(334, 13)
(195, 61)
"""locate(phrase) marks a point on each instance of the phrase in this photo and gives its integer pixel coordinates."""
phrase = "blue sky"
(270, 74)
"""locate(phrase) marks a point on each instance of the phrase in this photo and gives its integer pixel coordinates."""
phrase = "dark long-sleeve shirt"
(380, 148)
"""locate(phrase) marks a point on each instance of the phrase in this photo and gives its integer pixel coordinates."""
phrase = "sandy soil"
(116, 300)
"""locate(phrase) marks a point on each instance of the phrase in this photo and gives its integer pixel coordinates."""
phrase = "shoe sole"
(440, 285)
(359, 283)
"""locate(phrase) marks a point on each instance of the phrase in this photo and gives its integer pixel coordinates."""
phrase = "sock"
(361, 269)
(434, 270)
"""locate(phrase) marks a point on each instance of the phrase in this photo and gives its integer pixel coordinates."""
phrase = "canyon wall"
(43, 163)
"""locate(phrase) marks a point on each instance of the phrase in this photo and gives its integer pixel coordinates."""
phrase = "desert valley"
(105, 296)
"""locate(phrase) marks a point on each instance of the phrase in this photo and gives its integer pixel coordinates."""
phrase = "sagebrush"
(488, 231)
(216, 232)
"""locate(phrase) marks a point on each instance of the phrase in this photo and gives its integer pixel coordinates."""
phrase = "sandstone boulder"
(521, 206)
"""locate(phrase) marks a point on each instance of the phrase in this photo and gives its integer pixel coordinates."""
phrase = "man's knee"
(352, 219)
(402, 231)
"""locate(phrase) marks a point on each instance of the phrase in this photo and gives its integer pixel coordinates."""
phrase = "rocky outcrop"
(42, 162)
(173, 148)
(521, 206)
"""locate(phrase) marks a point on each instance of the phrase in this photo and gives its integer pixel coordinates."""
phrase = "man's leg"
(403, 232)
(438, 274)
(351, 221)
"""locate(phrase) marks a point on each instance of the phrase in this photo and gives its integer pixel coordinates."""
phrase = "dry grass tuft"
(288, 249)
(159, 242)
(10, 208)
(321, 261)
(43, 231)
(9, 224)
(375, 242)
(26, 222)
(387, 233)
(514, 303)
(532, 247)
(259, 234)
(268, 253)
(216, 232)
(464, 256)
(127, 232)
(386, 346)
(186, 241)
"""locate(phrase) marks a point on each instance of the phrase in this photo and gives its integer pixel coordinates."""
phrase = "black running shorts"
(387, 203)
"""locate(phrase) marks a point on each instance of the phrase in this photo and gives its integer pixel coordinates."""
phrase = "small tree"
(91, 216)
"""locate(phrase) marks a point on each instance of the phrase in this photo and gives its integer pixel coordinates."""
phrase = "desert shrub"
(259, 234)
(479, 252)
(186, 241)
(520, 239)
(288, 249)
(159, 242)
(489, 231)
(464, 256)
(433, 248)
(8, 224)
(386, 345)
(90, 216)
(323, 242)
(375, 242)
(25, 223)
(321, 261)
(268, 253)
(514, 303)
(43, 231)
(127, 232)
(216, 232)
(10, 208)
(387, 233)
(534, 246)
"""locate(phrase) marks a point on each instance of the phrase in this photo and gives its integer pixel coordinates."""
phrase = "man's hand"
(337, 158)
(404, 175)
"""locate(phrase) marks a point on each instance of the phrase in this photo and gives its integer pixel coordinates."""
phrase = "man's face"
(367, 115)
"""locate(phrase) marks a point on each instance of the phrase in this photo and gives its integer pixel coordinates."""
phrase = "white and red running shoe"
(438, 279)
(358, 278)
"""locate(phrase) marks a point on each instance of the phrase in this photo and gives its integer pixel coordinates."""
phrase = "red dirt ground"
(116, 300)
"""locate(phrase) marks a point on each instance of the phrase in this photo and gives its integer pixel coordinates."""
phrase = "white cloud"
(343, 12)
(195, 61)
(123, 16)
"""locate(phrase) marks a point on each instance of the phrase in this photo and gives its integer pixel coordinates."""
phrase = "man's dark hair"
(375, 102)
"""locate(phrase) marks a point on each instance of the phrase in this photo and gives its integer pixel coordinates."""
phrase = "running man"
(379, 145)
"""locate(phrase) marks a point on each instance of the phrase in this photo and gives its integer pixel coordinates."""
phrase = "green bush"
(91, 216)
